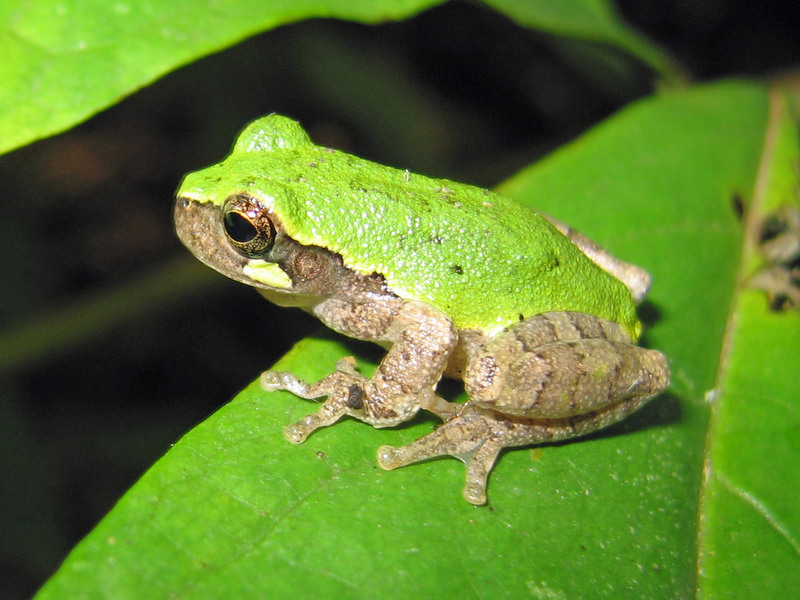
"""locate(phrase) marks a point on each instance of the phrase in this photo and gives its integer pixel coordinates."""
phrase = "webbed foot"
(476, 437)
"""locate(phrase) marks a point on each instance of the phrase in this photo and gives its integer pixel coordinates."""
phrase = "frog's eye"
(247, 226)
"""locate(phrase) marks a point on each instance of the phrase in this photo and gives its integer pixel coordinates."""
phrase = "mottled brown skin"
(551, 377)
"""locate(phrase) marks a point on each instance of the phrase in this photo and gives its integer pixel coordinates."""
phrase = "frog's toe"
(479, 464)
(442, 441)
(475, 492)
(474, 437)
(271, 381)
(296, 433)
(391, 457)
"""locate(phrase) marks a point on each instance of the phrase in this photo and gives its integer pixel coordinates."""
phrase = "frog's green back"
(483, 259)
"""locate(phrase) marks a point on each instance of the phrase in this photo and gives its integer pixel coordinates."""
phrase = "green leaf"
(235, 511)
(64, 61)
(750, 530)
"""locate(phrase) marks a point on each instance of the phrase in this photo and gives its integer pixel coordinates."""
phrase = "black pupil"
(239, 228)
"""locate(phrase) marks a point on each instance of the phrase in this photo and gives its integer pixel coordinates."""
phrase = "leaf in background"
(235, 511)
(64, 61)
(750, 526)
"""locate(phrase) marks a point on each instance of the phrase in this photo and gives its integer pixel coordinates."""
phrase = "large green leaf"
(235, 511)
(65, 60)
(750, 530)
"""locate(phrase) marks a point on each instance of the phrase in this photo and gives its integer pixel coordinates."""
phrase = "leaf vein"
(761, 509)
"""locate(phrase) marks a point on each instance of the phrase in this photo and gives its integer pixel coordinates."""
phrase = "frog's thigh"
(558, 365)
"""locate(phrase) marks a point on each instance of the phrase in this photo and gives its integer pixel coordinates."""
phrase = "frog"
(452, 280)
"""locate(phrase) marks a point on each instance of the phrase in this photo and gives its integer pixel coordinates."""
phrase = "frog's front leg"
(551, 377)
(422, 339)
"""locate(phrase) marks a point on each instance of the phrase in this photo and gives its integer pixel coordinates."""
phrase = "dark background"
(142, 343)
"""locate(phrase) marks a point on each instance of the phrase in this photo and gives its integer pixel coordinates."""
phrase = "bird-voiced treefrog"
(452, 279)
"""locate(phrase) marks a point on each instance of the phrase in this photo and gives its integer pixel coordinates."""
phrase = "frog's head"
(224, 214)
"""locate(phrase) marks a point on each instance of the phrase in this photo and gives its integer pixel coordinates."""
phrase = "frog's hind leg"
(478, 435)
(468, 437)
(551, 377)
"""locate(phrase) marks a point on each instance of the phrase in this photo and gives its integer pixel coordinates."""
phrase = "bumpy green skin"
(482, 259)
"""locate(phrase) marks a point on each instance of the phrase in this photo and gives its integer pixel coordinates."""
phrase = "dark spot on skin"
(521, 317)
(385, 376)
(406, 388)
(616, 375)
(576, 325)
(386, 413)
(458, 269)
(355, 397)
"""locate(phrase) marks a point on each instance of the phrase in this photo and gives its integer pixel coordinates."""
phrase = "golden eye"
(248, 227)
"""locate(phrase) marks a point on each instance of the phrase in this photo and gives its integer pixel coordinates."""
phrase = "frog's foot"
(348, 393)
(344, 389)
(476, 437)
